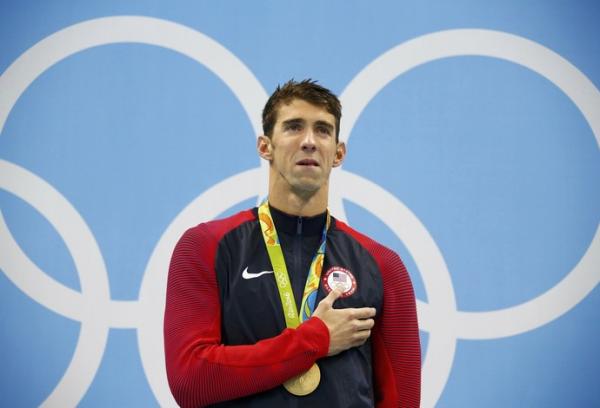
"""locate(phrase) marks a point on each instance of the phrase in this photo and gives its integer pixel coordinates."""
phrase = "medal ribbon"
(282, 277)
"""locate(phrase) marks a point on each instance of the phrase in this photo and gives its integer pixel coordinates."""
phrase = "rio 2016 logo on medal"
(339, 278)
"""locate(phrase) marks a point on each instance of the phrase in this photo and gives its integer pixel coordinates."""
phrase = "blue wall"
(473, 132)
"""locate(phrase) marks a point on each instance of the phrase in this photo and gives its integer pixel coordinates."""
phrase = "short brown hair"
(307, 90)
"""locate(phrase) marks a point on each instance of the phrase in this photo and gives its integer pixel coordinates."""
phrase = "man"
(283, 305)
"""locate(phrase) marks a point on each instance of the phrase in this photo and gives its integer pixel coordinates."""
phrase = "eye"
(324, 130)
(293, 127)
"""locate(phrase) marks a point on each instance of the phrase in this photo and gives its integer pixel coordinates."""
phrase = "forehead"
(301, 109)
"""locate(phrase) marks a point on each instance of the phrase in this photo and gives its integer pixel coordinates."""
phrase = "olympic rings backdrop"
(473, 131)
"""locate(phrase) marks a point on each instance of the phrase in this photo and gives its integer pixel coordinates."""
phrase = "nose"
(308, 141)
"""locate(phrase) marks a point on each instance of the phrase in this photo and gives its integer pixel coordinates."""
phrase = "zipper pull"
(299, 226)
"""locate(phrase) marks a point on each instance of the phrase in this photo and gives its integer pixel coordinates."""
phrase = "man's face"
(302, 148)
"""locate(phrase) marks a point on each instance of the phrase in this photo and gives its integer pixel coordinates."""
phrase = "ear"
(340, 154)
(264, 147)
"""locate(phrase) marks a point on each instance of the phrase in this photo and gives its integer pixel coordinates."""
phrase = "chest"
(250, 301)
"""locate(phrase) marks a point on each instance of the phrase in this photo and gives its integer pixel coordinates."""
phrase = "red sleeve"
(396, 344)
(200, 369)
(395, 337)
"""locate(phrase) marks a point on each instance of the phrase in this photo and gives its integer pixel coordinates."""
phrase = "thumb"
(327, 302)
(333, 296)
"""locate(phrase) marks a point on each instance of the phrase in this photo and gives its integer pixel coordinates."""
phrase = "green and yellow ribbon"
(282, 277)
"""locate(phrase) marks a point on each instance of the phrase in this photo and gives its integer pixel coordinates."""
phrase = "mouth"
(308, 162)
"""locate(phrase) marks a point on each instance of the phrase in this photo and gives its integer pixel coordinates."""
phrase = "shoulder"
(397, 285)
(214, 230)
(378, 251)
(198, 245)
(207, 235)
(388, 261)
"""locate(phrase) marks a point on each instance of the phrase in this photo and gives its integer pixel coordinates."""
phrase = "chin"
(306, 188)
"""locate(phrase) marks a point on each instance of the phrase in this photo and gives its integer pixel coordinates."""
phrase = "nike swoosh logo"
(248, 275)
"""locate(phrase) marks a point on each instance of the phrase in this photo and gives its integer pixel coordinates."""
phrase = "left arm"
(395, 339)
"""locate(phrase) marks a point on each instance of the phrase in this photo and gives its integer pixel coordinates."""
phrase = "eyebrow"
(300, 121)
(294, 121)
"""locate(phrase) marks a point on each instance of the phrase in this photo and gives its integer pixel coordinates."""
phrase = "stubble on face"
(304, 148)
(301, 150)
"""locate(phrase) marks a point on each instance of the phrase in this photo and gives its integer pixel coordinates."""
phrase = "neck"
(294, 203)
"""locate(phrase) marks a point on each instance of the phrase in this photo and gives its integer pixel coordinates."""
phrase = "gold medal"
(305, 383)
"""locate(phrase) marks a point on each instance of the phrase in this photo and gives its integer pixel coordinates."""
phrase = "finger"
(364, 324)
(360, 337)
(363, 312)
(327, 302)
(332, 296)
